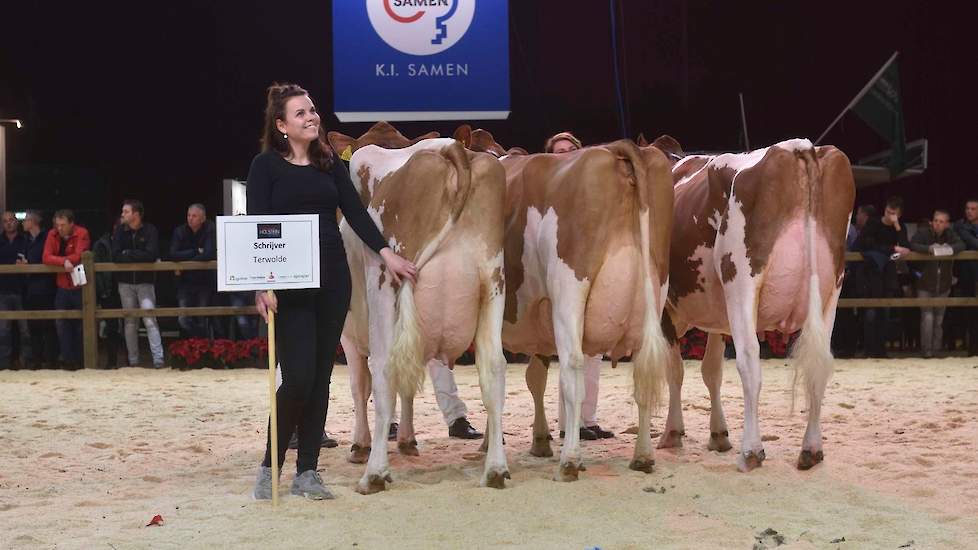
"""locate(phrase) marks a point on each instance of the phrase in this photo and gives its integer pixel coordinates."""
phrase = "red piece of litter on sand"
(157, 520)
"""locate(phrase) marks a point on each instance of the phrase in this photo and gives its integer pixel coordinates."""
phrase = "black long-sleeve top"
(276, 186)
(199, 247)
(882, 238)
(132, 246)
(10, 251)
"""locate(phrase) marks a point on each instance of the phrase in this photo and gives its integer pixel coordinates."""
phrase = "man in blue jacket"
(12, 249)
(195, 241)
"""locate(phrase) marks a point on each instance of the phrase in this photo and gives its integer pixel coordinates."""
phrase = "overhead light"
(15, 121)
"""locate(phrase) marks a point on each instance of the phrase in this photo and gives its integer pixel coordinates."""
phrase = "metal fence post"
(89, 303)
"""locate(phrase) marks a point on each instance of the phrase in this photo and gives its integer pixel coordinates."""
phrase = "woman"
(298, 173)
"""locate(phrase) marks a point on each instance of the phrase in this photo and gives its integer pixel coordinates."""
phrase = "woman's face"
(301, 120)
(564, 146)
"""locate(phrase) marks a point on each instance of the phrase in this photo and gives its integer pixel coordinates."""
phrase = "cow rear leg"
(536, 381)
(491, 363)
(672, 434)
(407, 444)
(377, 474)
(820, 367)
(713, 378)
(360, 388)
(749, 367)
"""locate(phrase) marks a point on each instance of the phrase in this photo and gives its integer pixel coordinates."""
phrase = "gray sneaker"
(308, 484)
(263, 484)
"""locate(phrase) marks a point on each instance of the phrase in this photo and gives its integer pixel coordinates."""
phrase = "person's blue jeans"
(247, 325)
(69, 330)
(189, 295)
(13, 302)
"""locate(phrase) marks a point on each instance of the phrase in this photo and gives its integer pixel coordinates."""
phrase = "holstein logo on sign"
(421, 27)
(420, 60)
(269, 231)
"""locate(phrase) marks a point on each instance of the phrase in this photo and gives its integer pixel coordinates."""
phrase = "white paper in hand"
(78, 276)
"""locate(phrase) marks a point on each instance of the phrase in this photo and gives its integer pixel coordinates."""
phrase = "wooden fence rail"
(90, 313)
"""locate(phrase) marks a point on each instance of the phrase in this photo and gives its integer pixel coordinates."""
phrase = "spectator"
(935, 280)
(563, 142)
(195, 241)
(138, 242)
(39, 295)
(107, 297)
(845, 334)
(881, 241)
(12, 251)
(63, 247)
(967, 229)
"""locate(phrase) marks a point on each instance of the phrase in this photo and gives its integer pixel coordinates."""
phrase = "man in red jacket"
(64, 247)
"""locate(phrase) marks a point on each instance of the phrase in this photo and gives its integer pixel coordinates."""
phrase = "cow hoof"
(642, 465)
(541, 447)
(808, 459)
(672, 439)
(719, 442)
(358, 454)
(750, 460)
(496, 480)
(375, 484)
(569, 472)
(408, 448)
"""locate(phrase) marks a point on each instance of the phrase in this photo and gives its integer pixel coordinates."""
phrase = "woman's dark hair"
(320, 153)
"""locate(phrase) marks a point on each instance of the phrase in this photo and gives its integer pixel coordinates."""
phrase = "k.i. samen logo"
(269, 231)
(421, 27)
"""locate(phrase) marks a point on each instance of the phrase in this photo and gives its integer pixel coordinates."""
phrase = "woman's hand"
(398, 267)
(266, 301)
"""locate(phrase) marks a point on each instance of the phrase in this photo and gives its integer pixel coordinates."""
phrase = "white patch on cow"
(738, 161)
(382, 162)
(715, 220)
(733, 241)
(797, 144)
(704, 256)
(742, 161)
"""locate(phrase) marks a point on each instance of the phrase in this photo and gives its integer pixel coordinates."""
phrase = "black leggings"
(308, 328)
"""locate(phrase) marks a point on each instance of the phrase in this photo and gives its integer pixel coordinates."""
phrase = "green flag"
(881, 108)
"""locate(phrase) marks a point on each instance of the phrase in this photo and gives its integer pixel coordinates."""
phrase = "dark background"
(160, 102)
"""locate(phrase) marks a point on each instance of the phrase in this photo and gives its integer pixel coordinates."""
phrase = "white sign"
(267, 252)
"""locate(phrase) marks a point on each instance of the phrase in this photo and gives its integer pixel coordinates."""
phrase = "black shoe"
(461, 429)
(326, 443)
(600, 433)
(392, 433)
(585, 434)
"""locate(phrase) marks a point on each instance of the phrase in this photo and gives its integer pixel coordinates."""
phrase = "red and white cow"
(758, 244)
(586, 261)
(440, 206)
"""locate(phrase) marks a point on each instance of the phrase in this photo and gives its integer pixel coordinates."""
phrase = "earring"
(285, 136)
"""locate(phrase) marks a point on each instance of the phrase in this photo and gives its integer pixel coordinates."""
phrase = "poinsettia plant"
(202, 353)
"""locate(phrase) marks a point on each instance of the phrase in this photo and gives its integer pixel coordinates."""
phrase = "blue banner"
(420, 60)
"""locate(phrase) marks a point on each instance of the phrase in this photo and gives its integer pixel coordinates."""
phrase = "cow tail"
(811, 354)
(649, 363)
(406, 364)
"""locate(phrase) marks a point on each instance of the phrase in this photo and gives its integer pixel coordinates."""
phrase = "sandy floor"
(90, 457)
